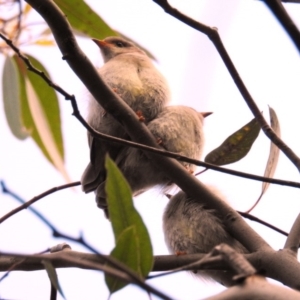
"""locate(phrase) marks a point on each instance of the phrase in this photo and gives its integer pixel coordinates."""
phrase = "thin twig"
(112, 261)
(36, 198)
(163, 152)
(213, 35)
(255, 219)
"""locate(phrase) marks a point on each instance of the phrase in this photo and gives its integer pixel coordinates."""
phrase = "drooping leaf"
(84, 20)
(236, 146)
(48, 101)
(53, 276)
(123, 215)
(273, 156)
(25, 110)
(126, 251)
(11, 100)
(40, 113)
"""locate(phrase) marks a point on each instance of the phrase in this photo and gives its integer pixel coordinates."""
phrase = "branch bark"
(139, 133)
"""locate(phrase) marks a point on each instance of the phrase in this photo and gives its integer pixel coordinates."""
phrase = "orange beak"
(101, 44)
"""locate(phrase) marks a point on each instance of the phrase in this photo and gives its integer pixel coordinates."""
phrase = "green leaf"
(53, 276)
(40, 113)
(48, 102)
(84, 20)
(127, 251)
(236, 146)
(25, 110)
(123, 215)
(11, 100)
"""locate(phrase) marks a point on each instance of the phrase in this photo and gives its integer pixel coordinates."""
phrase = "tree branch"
(213, 35)
(285, 20)
(139, 133)
(163, 152)
(293, 241)
(34, 199)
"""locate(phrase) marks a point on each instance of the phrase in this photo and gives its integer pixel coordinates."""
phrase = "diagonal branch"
(213, 35)
(163, 152)
(139, 133)
(285, 20)
(293, 241)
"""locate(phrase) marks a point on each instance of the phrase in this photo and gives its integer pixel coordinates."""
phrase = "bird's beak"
(101, 44)
(206, 114)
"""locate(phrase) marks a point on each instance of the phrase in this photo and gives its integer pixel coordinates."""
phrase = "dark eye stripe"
(119, 44)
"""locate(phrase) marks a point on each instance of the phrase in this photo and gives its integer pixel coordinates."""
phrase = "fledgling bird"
(177, 129)
(190, 227)
(132, 75)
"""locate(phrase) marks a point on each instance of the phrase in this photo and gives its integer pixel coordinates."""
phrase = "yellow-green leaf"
(127, 251)
(123, 215)
(236, 146)
(11, 99)
(83, 19)
(40, 113)
(53, 276)
(86, 22)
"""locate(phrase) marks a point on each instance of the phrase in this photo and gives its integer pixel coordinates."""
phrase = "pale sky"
(270, 67)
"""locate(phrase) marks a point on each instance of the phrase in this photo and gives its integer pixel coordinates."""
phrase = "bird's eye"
(119, 44)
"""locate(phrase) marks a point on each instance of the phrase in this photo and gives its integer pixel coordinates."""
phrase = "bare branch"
(293, 241)
(163, 152)
(138, 132)
(285, 20)
(255, 219)
(235, 260)
(271, 261)
(75, 259)
(36, 198)
(213, 35)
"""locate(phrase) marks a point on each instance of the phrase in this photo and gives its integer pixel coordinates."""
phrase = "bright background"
(270, 67)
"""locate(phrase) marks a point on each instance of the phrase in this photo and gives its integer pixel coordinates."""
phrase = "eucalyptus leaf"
(40, 113)
(48, 102)
(123, 214)
(273, 156)
(11, 99)
(25, 110)
(126, 251)
(53, 276)
(236, 146)
(84, 20)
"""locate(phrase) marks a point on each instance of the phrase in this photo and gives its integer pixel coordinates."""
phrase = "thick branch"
(139, 133)
(265, 262)
(285, 20)
(293, 240)
(213, 35)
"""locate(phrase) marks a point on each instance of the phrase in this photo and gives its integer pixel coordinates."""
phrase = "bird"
(177, 129)
(191, 227)
(130, 73)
